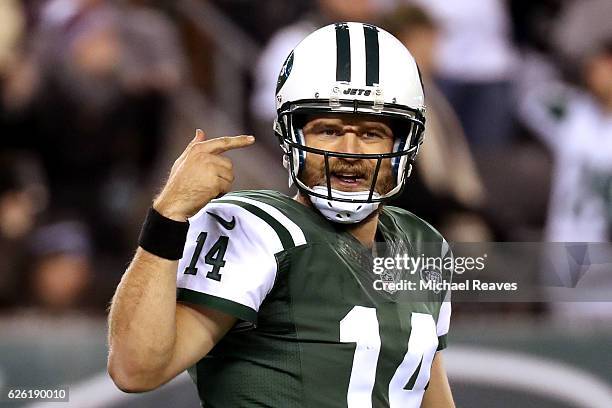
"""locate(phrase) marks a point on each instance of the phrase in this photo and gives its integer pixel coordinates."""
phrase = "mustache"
(363, 169)
(360, 169)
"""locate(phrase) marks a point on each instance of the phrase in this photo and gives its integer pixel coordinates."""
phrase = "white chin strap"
(341, 212)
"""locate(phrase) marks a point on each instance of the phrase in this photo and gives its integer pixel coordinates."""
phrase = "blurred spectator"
(533, 23)
(576, 125)
(22, 198)
(580, 30)
(262, 18)
(475, 66)
(60, 269)
(98, 80)
(11, 30)
(276, 51)
(575, 122)
(12, 37)
(445, 188)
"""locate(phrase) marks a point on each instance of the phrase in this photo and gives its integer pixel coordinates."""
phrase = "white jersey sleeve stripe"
(296, 232)
(444, 317)
(443, 323)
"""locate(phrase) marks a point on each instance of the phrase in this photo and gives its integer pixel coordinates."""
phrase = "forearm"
(142, 319)
(438, 394)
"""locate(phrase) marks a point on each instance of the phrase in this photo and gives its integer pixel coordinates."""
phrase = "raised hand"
(200, 174)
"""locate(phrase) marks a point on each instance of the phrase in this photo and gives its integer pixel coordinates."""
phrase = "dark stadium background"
(98, 97)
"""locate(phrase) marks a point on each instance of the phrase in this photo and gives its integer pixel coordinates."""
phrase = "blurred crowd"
(96, 96)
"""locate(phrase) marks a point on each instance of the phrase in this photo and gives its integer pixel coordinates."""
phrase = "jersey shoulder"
(410, 231)
(255, 215)
(409, 224)
(270, 197)
(284, 212)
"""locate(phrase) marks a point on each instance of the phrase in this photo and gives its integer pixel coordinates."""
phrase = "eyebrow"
(317, 123)
(326, 121)
(376, 125)
(339, 122)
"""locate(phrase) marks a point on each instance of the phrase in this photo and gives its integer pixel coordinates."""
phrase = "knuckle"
(199, 148)
(225, 162)
(208, 167)
(207, 158)
(228, 177)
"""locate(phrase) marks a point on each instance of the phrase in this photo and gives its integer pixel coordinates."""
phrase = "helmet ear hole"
(402, 128)
(299, 120)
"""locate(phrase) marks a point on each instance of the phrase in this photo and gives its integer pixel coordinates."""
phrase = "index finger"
(225, 143)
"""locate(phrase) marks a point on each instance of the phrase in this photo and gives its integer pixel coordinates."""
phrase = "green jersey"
(314, 329)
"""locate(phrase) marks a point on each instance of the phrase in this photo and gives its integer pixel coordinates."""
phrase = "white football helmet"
(351, 68)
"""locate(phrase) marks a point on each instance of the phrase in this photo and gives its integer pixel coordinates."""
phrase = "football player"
(268, 300)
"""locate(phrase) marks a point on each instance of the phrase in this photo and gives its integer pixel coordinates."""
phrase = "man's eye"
(373, 135)
(330, 132)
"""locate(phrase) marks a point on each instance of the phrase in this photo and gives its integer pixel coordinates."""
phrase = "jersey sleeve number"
(406, 388)
(213, 257)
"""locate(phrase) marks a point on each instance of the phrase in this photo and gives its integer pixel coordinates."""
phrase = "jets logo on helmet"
(285, 71)
(350, 68)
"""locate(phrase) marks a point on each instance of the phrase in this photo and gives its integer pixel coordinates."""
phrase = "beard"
(313, 174)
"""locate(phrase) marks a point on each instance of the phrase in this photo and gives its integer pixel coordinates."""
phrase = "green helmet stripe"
(370, 33)
(343, 53)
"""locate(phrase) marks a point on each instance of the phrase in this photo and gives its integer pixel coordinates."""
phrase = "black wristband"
(162, 236)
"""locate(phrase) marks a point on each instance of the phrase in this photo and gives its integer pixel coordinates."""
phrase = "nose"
(349, 143)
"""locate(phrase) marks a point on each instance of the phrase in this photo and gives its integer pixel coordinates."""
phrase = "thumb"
(199, 136)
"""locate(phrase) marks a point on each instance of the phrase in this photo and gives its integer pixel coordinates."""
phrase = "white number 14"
(360, 326)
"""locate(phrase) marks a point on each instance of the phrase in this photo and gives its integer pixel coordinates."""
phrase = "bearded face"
(360, 134)
(347, 175)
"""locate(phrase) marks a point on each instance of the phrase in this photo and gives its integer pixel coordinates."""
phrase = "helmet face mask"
(406, 145)
(307, 87)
